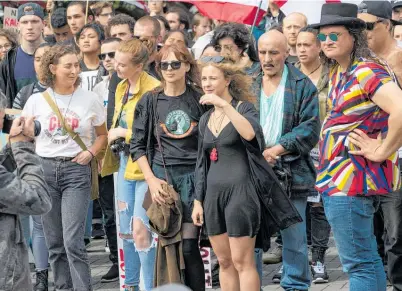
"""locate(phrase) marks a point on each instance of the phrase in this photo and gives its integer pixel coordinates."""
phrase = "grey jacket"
(25, 193)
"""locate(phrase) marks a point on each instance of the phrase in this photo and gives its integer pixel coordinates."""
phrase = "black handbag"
(282, 172)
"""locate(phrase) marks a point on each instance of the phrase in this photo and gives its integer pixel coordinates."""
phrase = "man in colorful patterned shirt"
(358, 144)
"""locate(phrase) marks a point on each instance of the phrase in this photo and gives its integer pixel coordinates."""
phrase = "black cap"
(381, 9)
(396, 4)
(30, 9)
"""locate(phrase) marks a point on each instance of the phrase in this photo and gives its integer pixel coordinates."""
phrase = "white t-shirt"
(88, 79)
(102, 90)
(83, 114)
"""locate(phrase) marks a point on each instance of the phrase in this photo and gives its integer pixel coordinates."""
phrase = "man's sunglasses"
(371, 25)
(102, 57)
(332, 36)
(215, 59)
(175, 65)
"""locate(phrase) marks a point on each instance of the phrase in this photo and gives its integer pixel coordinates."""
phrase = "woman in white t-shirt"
(66, 166)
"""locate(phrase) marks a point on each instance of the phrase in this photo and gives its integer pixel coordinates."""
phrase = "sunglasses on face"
(102, 57)
(371, 25)
(216, 59)
(332, 36)
(175, 65)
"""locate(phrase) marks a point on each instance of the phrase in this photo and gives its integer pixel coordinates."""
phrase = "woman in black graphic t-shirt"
(176, 121)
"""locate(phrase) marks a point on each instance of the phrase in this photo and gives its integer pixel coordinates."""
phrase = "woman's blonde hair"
(52, 57)
(137, 49)
(240, 83)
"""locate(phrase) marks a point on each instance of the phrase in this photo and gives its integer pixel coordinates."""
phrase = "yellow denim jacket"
(111, 163)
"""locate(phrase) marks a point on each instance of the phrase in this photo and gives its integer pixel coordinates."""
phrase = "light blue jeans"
(36, 240)
(296, 269)
(131, 193)
(39, 247)
(351, 220)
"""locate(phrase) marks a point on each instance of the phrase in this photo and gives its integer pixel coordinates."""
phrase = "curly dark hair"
(240, 35)
(52, 57)
(10, 35)
(120, 19)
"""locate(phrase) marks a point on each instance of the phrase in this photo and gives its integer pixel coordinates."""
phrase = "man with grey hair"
(24, 193)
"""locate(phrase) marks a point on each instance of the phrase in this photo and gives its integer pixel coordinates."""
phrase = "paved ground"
(338, 281)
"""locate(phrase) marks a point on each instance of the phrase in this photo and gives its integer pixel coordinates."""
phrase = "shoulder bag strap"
(238, 105)
(158, 138)
(123, 103)
(56, 110)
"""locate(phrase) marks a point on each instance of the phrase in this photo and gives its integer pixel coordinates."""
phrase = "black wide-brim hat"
(345, 14)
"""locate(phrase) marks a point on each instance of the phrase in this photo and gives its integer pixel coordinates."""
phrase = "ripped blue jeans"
(130, 196)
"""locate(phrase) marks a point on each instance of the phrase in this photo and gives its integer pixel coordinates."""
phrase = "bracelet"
(93, 156)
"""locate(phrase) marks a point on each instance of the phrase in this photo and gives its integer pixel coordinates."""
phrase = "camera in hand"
(118, 146)
(8, 122)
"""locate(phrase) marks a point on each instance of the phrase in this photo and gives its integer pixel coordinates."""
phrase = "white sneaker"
(107, 249)
(319, 273)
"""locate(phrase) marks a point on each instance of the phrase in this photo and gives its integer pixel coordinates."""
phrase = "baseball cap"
(381, 9)
(396, 4)
(30, 9)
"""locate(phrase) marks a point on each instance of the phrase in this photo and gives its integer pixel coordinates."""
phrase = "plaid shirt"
(300, 130)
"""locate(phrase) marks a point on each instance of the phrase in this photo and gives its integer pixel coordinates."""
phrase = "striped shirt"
(340, 173)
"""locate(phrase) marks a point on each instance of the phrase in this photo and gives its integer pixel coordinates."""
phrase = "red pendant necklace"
(213, 156)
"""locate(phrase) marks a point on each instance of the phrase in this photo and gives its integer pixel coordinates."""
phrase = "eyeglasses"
(6, 46)
(371, 25)
(215, 59)
(175, 65)
(332, 36)
(102, 57)
(218, 48)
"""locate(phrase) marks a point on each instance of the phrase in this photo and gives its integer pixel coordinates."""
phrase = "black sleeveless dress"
(231, 204)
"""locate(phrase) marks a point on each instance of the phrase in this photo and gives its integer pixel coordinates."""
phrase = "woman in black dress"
(173, 112)
(225, 194)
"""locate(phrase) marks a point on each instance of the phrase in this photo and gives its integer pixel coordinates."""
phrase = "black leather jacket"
(7, 82)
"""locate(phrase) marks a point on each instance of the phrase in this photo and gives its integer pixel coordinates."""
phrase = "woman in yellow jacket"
(138, 241)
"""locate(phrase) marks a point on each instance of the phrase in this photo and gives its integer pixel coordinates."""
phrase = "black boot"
(41, 281)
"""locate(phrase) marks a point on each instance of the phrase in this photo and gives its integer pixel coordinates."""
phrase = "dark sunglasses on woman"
(102, 57)
(175, 65)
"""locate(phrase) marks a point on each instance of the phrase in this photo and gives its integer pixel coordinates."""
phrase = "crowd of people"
(217, 135)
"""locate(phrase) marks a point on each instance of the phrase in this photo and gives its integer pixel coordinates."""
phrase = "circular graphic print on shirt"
(178, 124)
(54, 129)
